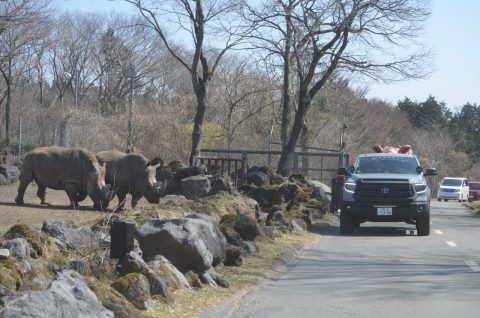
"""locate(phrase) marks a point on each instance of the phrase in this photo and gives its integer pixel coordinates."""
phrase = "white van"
(453, 188)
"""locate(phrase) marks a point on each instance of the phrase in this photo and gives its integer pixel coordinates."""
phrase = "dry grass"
(474, 206)
(191, 303)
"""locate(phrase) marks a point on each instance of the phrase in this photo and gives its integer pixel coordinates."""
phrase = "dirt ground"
(34, 213)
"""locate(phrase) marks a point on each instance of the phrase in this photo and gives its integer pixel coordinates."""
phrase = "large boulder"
(67, 296)
(196, 187)
(321, 191)
(9, 173)
(193, 242)
(68, 234)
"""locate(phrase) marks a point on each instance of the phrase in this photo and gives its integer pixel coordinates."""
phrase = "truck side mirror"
(430, 172)
(343, 171)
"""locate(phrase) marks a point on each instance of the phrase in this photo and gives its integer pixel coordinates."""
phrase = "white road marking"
(451, 244)
(439, 232)
(473, 265)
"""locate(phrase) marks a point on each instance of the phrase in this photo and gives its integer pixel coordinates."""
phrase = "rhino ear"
(377, 148)
(157, 161)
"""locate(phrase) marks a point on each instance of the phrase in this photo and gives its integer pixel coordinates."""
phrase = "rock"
(247, 248)
(246, 227)
(193, 242)
(113, 300)
(186, 172)
(170, 186)
(233, 256)
(321, 191)
(193, 279)
(133, 263)
(23, 266)
(74, 238)
(18, 248)
(276, 218)
(80, 267)
(34, 237)
(67, 296)
(270, 232)
(213, 279)
(266, 197)
(296, 228)
(259, 179)
(9, 172)
(136, 289)
(221, 184)
(173, 278)
(196, 187)
(4, 253)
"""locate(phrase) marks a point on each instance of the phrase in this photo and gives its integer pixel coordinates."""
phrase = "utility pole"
(130, 72)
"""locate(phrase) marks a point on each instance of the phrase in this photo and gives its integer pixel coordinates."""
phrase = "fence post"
(295, 162)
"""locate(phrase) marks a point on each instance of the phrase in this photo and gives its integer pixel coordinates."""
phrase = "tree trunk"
(304, 140)
(197, 125)
(286, 158)
(287, 74)
(8, 105)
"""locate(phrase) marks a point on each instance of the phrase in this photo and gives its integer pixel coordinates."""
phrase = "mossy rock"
(297, 178)
(136, 289)
(9, 275)
(25, 231)
(112, 299)
(193, 279)
(301, 218)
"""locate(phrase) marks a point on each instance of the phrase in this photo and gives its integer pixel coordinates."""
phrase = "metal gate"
(321, 165)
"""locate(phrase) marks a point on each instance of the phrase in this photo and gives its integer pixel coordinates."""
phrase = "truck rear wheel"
(346, 223)
(423, 225)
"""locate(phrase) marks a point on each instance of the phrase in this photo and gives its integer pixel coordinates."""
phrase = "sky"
(453, 33)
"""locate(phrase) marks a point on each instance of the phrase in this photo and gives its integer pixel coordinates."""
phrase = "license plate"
(384, 211)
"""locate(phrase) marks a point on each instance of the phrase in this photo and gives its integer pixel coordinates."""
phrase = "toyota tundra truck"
(386, 187)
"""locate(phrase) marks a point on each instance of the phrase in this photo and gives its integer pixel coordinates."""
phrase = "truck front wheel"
(423, 225)
(346, 223)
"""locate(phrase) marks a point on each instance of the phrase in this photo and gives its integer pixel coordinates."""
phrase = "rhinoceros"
(131, 173)
(75, 170)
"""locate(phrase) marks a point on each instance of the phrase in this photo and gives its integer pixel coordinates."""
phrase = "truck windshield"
(452, 182)
(390, 164)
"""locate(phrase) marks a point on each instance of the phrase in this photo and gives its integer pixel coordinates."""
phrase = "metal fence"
(321, 165)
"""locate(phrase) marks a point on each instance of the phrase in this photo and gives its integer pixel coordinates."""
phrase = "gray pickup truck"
(386, 187)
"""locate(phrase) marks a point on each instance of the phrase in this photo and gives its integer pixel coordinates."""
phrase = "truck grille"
(384, 190)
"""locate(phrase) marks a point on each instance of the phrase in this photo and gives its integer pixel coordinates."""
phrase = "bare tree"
(21, 25)
(240, 95)
(207, 26)
(363, 37)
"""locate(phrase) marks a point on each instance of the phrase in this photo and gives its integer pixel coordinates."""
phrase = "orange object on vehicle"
(406, 149)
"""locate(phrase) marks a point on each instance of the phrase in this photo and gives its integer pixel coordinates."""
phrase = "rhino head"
(100, 193)
(151, 190)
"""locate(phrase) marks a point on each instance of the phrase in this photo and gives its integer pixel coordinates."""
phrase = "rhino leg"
(71, 190)
(122, 196)
(21, 192)
(41, 193)
(135, 198)
(81, 196)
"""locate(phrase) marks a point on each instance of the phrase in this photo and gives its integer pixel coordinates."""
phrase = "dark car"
(474, 193)
(386, 187)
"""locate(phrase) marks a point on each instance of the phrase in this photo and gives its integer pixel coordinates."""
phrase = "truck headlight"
(420, 187)
(349, 187)
(457, 190)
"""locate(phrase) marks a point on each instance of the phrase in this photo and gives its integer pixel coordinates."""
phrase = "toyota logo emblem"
(384, 190)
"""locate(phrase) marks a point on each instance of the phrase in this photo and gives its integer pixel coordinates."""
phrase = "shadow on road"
(48, 207)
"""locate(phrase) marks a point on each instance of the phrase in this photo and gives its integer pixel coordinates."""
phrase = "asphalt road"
(384, 270)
